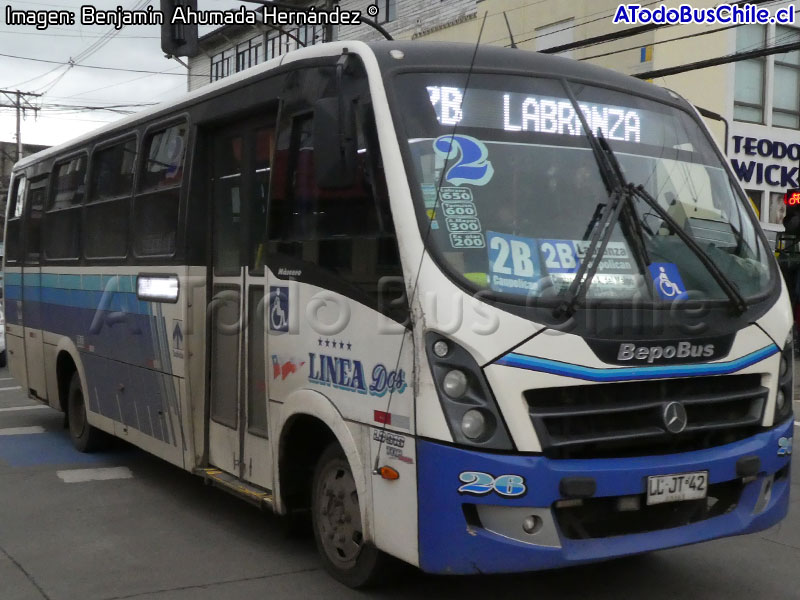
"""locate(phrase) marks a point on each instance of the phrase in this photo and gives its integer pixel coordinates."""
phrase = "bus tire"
(84, 437)
(336, 520)
(2, 359)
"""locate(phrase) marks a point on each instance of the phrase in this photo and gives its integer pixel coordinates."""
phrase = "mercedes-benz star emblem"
(675, 419)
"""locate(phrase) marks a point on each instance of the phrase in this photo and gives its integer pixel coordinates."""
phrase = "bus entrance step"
(225, 481)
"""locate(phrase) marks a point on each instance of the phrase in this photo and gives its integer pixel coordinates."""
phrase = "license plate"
(675, 488)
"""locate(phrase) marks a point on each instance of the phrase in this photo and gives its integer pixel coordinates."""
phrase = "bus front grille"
(618, 420)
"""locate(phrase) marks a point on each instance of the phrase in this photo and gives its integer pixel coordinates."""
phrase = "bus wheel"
(336, 517)
(84, 437)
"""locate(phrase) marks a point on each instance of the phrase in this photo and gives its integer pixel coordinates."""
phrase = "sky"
(135, 47)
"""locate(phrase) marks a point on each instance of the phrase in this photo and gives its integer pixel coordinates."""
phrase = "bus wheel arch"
(66, 366)
(307, 424)
(303, 440)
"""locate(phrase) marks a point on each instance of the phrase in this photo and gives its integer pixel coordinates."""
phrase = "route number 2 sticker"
(471, 159)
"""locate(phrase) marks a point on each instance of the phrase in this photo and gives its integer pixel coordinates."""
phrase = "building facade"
(759, 99)
(234, 48)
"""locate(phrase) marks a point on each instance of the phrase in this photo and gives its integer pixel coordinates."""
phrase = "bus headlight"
(784, 396)
(780, 402)
(785, 360)
(473, 424)
(455, 383)
(470, 409)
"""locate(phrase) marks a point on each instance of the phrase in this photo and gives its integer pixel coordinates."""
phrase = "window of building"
(155, 208)
(14, 226)
(387, 11)
(750, 74)
(279, 43)
(556, 34)
(756, 198)
(108, 208)
(222, 64)
(249, 54)
(777, 208)
(786, 81)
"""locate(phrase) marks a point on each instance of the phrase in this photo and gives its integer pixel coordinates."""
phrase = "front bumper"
(450, 540)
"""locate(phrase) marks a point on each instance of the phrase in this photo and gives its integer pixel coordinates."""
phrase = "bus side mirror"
(335, 153)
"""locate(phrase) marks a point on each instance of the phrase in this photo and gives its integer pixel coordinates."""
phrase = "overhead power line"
(605, 16)
(675, 39)
(684, 37)
(56, 62)
(78, 35)
(720, 60)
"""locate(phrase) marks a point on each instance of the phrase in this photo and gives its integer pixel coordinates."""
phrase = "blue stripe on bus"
(92, 282)
(127, 362)
(50, 280)
(69, 282)
(115, 301)
(554, 367)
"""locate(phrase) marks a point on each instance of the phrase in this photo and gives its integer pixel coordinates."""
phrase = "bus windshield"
(509, 191)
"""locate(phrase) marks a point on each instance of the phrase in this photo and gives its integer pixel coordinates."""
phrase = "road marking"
(6, 378)
(15, 387)
(21, 430)
(84, 475)
(31, 407)
(797, 423)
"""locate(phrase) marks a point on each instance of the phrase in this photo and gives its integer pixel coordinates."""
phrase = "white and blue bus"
(479, 310)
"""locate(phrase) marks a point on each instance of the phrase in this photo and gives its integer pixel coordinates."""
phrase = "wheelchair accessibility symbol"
(667, 281)
(279, 308)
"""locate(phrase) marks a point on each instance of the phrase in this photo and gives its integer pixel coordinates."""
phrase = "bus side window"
(346, 232)
(155, 207)
(33, 221)
(63, 216)
(109, 201)
(265, 142)
(13, 228)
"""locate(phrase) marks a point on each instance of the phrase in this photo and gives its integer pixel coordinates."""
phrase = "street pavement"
(124, 525)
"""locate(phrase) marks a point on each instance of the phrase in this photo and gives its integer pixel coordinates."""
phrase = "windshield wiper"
(621, 193)
(619, 196)
(719, 276)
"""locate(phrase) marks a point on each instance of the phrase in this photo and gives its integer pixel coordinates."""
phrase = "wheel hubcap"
(339, 516)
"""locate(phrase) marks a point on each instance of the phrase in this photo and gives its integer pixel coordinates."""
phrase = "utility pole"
(19, 101)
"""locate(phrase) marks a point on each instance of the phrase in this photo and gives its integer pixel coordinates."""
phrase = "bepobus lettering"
(653, 353)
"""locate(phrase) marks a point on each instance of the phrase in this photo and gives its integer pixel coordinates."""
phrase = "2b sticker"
(513, 263)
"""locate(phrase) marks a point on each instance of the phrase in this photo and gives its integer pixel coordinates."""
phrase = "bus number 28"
(480, 484)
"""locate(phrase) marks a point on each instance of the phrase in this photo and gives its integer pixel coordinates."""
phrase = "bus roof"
(434, 55)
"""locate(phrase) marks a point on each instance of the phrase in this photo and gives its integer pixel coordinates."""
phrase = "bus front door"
(238, 433)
